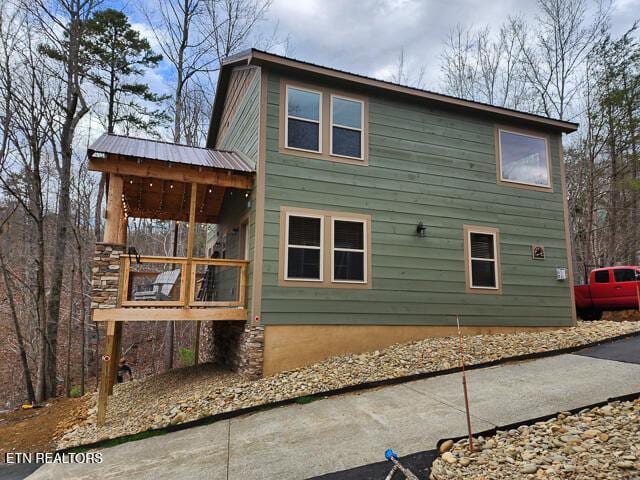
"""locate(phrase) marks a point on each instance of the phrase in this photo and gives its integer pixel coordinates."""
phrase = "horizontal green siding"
(430, 165)
(242, 136)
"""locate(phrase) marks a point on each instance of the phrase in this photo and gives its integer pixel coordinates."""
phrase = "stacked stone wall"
(105, 275)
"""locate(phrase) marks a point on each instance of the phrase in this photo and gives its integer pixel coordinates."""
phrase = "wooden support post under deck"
(115, 231)
(187, 273)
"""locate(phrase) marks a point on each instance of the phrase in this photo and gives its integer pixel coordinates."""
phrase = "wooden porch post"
(188, 269)
(115, 231)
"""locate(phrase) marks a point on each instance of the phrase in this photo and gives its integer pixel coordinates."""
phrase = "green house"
(377, 214)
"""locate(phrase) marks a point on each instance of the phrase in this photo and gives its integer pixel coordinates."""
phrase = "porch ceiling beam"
(177, 172)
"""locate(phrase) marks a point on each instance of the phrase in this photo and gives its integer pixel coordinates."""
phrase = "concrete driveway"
(339, 433)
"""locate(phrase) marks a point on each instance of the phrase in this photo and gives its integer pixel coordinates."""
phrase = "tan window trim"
(468, 230)
(287, 245)
(513, 183)
(325, 124)
(364, 250)
(332, 124)
(287, 116)
(326, 253)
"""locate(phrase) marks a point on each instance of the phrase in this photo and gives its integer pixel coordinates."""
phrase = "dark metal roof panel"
(170, 152)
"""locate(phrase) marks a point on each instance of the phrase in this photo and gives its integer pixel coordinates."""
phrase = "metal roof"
(169, 152)
(254, 56)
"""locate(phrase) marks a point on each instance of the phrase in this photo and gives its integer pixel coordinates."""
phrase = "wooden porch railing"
(187, 297)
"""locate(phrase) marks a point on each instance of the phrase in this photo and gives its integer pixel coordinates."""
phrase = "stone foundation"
(237, 345)
(105, 275)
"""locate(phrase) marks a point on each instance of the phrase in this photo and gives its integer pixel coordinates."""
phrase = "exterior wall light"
(421, 230)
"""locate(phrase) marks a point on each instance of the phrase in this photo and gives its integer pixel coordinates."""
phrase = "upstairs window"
(304, 248)
(303, 122)
(346, 127)
(482, 265)
(349, 259)
(523, 159)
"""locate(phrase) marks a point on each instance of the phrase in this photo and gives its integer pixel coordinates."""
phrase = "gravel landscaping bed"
(195, 392)
(600, 443)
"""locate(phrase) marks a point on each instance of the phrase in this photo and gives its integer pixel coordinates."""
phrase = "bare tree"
(61, 24)
(404, 76)
(554, 53)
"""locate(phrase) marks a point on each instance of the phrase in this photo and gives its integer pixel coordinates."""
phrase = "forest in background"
(72, 69)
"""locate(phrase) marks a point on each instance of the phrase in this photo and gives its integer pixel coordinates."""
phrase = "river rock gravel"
(600, 443)
(194, 392)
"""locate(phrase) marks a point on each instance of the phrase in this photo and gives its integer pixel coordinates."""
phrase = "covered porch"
(163, 181)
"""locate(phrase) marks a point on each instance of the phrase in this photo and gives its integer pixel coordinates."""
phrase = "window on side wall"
(349, 255)
(303, 259)
(523, 159)
(482, 260)
(304, 119)
(324, 249)
(346, 127)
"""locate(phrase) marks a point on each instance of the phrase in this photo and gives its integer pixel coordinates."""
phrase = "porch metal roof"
(169, 152)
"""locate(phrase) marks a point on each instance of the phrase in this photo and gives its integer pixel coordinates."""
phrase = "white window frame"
(331, 125)
(546, 152)
(287, 117)
(287, 246)
(494, 260)
(339, 249)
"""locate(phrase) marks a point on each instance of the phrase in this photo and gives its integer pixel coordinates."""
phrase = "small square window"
(303, 119)
(523, 159)
(602, 276)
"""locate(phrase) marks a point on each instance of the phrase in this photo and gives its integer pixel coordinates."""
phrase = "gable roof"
(259, 58)
(109, 143)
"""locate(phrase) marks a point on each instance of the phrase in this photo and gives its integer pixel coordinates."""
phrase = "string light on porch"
(125, 206)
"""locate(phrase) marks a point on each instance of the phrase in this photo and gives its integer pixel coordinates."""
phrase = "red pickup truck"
(611, 288)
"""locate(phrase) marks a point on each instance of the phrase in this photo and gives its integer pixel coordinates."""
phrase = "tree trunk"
(74, 110)
(26, 371)
(67, 373)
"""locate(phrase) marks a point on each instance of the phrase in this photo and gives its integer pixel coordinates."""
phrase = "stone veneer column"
(238, 345)
(106, 275)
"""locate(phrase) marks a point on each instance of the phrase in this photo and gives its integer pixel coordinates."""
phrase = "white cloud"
(366, 36)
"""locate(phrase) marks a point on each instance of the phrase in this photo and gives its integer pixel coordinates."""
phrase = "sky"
(366, 36)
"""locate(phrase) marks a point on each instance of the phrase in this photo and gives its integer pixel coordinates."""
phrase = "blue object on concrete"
(389, 454)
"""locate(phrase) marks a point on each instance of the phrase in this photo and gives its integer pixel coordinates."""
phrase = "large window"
(304, 119)
(324, 249)
(346, 127)
(349, 262)
(523, 159)
(482, 260)
(304, 248)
